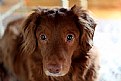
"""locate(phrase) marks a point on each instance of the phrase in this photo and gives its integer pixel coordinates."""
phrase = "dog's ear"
(29, 32)
(87, 27)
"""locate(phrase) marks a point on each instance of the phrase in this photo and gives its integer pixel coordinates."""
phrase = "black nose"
(54, 68)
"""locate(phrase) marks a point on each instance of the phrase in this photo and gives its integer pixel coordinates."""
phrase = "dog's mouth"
(54, 74)
(56, 67)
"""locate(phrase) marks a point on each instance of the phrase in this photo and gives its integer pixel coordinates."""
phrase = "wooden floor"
(107, 13)
(104, 13)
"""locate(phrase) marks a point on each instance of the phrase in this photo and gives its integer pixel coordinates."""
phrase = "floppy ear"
(87, 26)
(29, 32)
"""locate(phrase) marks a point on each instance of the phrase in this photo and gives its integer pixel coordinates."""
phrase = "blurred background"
(107, 35)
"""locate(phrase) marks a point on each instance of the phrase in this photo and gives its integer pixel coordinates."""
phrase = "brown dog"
(52, 45)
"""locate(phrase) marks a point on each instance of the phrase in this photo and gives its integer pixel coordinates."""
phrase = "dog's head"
(58, 34)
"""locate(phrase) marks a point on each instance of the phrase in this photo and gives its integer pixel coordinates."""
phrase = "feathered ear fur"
(28, 32)
(87, 26)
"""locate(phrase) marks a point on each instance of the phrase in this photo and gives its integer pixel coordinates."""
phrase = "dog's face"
(58, 34)
(58, 38)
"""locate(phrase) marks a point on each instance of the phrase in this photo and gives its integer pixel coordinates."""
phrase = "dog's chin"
(54, 74)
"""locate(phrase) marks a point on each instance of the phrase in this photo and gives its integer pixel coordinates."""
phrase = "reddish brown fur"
(29, 58)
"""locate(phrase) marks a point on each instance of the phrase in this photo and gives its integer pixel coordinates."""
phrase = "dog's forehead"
(57, 20)
(59, 25)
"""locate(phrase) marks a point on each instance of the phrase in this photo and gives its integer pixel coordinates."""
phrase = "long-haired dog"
(51, 45)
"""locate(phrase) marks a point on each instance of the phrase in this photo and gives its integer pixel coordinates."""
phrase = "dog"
(51, 45)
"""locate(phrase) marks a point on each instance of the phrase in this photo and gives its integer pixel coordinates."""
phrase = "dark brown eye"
(70, 37)
(43, 37)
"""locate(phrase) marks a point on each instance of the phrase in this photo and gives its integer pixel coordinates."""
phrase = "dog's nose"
(54, 68)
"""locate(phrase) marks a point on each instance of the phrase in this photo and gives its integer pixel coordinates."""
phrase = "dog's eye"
(70, 37)
(43, 37)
